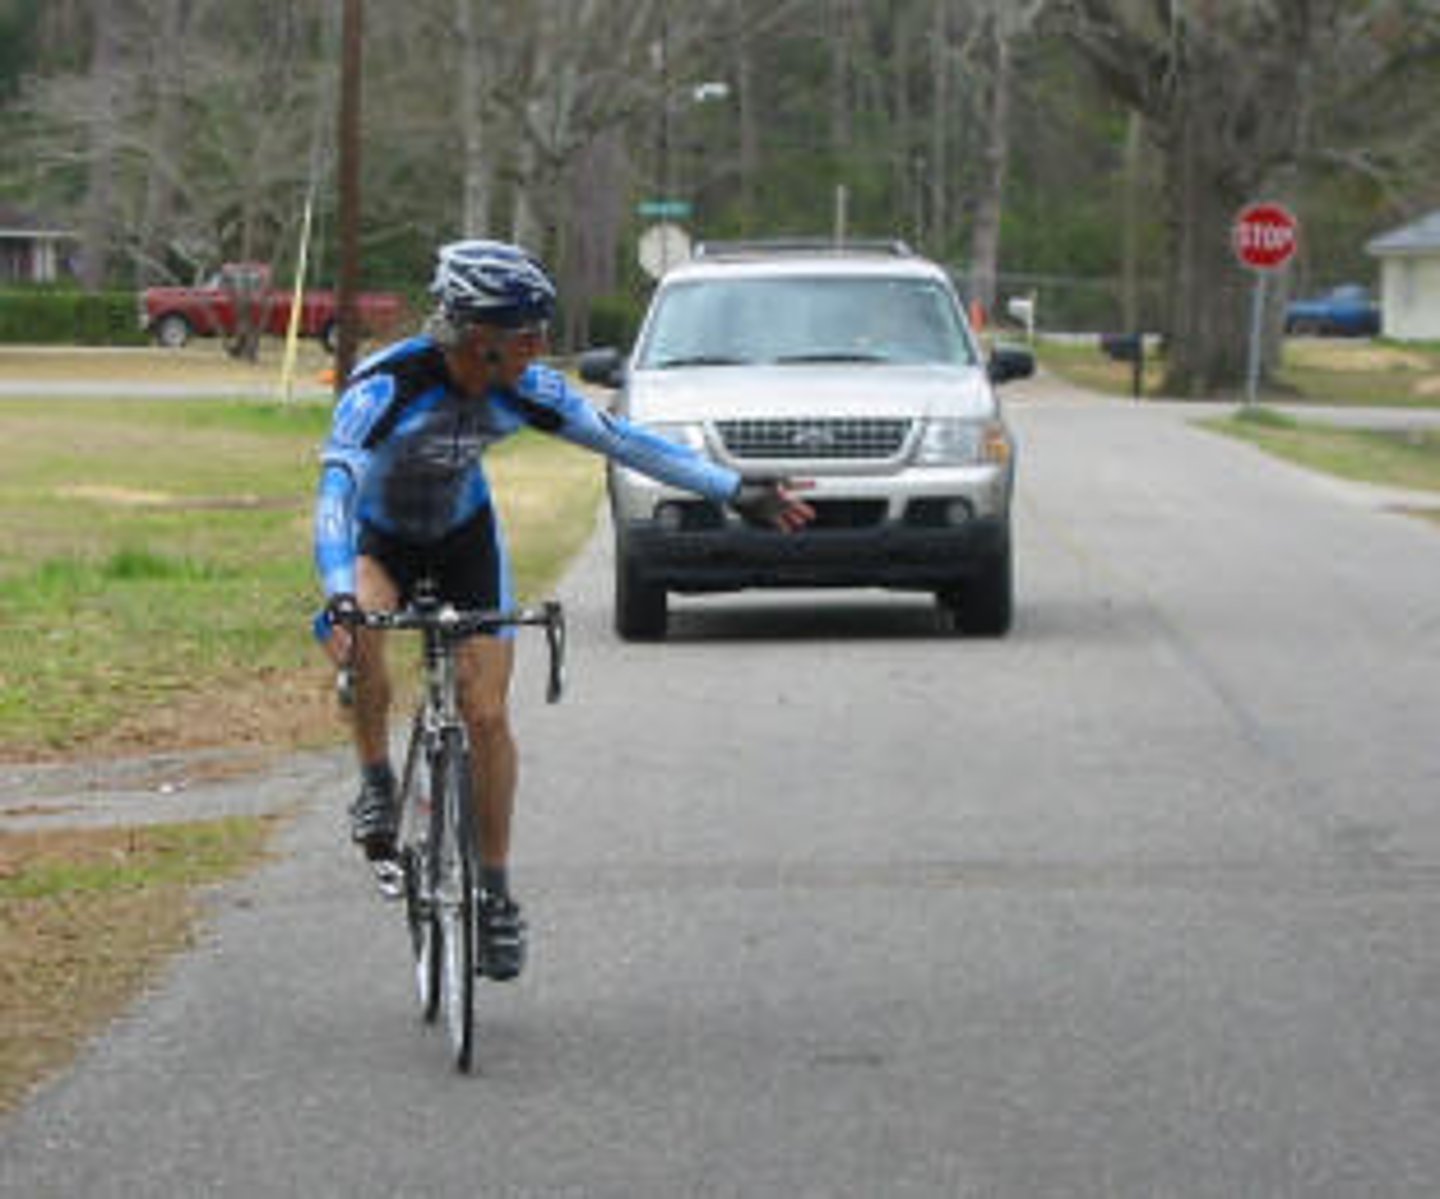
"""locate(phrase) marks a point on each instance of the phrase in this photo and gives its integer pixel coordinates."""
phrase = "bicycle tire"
(417, 823)
(455, 896)
(424, 932)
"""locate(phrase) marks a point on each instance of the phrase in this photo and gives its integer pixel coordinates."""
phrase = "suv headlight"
(952, 442)
(691, 436)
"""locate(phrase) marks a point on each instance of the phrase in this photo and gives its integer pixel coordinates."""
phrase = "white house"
(29, 251)
(1410, 279)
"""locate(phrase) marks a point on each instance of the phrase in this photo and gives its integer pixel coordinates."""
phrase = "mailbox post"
(1128, 347)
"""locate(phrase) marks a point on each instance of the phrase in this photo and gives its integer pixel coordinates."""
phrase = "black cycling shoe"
(374, 821)
(500, 948)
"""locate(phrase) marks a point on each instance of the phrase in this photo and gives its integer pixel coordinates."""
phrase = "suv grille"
(830, 439)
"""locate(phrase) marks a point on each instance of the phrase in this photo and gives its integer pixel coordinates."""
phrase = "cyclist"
(403, 495)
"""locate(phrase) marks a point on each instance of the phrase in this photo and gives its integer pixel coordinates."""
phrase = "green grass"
(1086, 365)
(1397, 458)
(1324, 371)
(86, 918)
(151, 552)
(1365, 374)
(152, 856)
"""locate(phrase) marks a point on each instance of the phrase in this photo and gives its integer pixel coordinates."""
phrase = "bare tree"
(166, 72)
(1229, 91)
(102, 116)
(1000, 24)
(184, 132)
(473, 110)
(207, 163)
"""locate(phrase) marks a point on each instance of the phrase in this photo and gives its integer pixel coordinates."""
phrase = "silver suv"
(850, 369)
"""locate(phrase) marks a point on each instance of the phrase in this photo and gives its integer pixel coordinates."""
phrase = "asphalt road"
(1140, 901)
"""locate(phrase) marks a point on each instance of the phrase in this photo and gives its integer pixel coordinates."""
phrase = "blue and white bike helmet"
(492, 283)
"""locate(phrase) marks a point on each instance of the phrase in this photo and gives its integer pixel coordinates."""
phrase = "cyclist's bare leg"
(375, 590)
(486, 664)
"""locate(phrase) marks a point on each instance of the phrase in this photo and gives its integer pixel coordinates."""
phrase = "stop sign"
(1265, 236)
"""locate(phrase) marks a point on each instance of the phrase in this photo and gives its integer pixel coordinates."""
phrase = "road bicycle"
(437, 867)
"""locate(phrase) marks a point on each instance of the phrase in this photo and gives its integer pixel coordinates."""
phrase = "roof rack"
(891, 247)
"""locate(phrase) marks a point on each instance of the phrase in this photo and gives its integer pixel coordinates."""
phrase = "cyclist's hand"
(342, 609)
(337, 619)
(771, 502)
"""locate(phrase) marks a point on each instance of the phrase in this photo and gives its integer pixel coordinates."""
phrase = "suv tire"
(640, 608)
(984, 606)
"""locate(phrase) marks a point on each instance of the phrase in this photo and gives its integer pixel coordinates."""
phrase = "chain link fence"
(1074, 303)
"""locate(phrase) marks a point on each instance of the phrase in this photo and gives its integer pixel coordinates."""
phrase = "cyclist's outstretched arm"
(573, 417)
(577, 420)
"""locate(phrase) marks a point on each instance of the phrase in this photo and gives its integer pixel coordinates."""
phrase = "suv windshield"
(733, 322)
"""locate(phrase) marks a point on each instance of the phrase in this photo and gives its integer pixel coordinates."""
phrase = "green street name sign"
(665, 208)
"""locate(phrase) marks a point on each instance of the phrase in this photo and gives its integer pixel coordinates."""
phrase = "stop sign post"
(1265, 237)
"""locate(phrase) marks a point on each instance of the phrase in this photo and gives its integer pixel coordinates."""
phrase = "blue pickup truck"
(1346, 311)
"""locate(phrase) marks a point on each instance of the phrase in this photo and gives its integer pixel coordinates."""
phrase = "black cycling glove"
(759, 502)
(340, 609)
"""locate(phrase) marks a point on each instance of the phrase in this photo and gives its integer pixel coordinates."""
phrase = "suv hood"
(837, 390)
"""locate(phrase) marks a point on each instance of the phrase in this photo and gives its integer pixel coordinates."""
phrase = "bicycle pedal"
(389, 878)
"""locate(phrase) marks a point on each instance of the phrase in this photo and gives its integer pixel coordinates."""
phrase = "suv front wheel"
(640, 606)
(983, 606)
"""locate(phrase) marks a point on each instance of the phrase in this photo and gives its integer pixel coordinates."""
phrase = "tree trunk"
(985, 236)
(941, 105)
(1207, 329)
(838, 85)
(99, 195)
(526, 228)
(909, 161)
(476, 185)
(747, 117)
(168, 74)
(1130, 214)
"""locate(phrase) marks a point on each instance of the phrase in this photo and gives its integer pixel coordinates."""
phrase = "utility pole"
(351, 43)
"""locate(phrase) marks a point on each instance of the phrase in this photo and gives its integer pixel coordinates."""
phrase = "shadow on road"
(828, 619)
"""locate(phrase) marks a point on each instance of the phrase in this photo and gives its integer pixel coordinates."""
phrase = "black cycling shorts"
(467, 566)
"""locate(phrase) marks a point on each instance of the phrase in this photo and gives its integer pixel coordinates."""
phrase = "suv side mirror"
(604, 367)
(1010, 362)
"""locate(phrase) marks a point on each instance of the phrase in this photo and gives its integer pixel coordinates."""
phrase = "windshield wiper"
(835, 356)
(701, 360)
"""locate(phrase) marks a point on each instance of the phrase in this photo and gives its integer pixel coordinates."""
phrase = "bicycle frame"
(439, 861)
(442, 628)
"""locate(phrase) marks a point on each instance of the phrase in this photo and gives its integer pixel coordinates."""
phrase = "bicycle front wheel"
(424, 930)
(455, 896)
(417, 825)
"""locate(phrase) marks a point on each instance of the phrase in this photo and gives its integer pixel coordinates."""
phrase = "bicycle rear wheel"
(455, 896)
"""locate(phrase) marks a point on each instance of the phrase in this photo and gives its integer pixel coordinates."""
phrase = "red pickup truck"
(172, 315)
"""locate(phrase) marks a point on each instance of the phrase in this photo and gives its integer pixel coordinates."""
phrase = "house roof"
(1418, 237)
(15, 223)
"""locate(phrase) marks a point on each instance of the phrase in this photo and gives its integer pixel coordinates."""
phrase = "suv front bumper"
(733, 556)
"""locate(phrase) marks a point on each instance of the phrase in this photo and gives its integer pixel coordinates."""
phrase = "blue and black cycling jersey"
(405, 451)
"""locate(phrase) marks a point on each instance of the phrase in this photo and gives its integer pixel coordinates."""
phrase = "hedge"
(40, 317)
